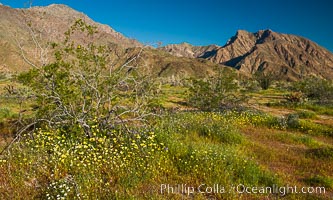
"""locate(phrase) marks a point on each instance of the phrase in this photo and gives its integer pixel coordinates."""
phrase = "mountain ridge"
(48, 24)
(287, 55)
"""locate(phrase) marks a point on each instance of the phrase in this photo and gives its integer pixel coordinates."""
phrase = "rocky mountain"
(26, 33)
(33, 28)
(188, 50)
(288, 56)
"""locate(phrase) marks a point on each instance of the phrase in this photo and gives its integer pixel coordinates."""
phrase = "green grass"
(312, 128)
(176, 150)
(6, 113)
(295, 139)
(305, 114)
(226, 148)
(325, 153)
(310, 106)
(173, 96)
(319, 109)
(322, 181)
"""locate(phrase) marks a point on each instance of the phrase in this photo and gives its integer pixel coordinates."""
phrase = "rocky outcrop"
(42, 25)
(188, 50)
(57, 18)
(288, 56)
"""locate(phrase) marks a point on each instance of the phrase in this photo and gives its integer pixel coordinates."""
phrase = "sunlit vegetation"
(81, 129)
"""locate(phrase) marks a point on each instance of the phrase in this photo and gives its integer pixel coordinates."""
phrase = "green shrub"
(82, 86)
(304, 114)
(314, 88)
(297, 139)
(295, 97)
(292, 120)
(216, 93)
(265, 80)
(319, 109)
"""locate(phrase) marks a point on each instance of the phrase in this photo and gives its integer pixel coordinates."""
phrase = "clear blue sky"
(203, 22)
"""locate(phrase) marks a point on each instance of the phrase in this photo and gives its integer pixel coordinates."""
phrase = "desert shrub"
(316, 89)
(82, 86)
(250, 85)
(282, 85)
(89, 130)
(216, 93)
(304, 114)
(265, 80)
(292, 120)
(295, 97)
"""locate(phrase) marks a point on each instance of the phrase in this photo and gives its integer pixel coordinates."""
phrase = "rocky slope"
(29, 31)
(25, 27)
(188, 50)
(288, 56)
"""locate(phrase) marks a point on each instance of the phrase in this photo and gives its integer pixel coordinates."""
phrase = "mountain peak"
(266, 31)
(242, 32)
(53, 7)
(290, 56)
(240, 36)
(50, 22)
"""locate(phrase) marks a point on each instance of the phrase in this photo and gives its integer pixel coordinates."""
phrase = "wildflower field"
(81, 128)
(207, 149)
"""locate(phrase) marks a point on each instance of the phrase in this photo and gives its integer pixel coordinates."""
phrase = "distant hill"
(188, 50)
(49, 24)
(289, 56)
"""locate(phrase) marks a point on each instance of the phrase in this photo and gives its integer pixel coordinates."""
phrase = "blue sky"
(203, 22)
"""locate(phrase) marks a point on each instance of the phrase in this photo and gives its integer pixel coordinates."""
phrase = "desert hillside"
(289, 56)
